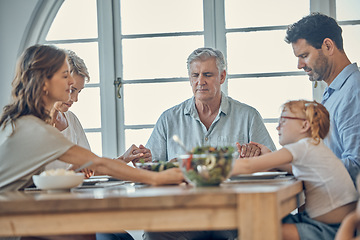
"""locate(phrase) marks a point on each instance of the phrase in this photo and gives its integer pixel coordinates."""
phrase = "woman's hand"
(169, 176)
(87, 172)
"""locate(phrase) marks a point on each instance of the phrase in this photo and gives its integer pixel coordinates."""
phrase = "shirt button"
(206, 139)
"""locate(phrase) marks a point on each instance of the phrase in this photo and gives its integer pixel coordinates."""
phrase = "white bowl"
(58, 182)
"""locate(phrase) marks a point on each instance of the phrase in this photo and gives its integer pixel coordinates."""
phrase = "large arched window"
(136, 52)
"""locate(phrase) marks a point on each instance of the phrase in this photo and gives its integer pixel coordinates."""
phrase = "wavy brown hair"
(315, 113)
(35, 65)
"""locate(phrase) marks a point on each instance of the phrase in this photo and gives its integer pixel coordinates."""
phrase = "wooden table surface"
(255, 209)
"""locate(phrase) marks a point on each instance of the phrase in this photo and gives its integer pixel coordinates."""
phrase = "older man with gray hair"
(209, 118)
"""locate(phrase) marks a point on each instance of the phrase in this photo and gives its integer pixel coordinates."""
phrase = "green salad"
(157, 166)
(208, 166)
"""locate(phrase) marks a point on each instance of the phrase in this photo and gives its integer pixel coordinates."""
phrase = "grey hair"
(203, 54)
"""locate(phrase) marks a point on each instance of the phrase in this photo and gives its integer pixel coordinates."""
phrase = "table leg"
(259, 216)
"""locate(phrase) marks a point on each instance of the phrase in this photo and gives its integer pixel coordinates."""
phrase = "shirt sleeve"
(32, 145)
(258, 132)
(81, 138)
(157, 142)
(297, 149)
(348, 127)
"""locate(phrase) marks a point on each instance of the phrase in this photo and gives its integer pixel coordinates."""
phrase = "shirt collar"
(190, 109)
(224, 106)
(339, 81)
(343, 76)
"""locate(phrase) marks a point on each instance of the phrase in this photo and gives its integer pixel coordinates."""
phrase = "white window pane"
(94, 139)
(347, 10)
(271, 128)
(144, 103)
(87, 109)
(160, 16)
(268, 94)
(351, 36)
(158, 57)
(254, 52)
(76, 19)
(137, 137)
(90, 54)
(240, 14)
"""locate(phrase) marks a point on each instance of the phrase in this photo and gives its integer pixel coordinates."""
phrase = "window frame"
(112, 117)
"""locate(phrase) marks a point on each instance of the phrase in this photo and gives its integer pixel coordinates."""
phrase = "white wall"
(15, 16)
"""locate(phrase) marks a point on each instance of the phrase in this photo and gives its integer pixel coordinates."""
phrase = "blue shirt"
(342, 100)
(235, 122)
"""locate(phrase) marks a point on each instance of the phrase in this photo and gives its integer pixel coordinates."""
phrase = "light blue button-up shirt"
(342, 100)
(235, 122)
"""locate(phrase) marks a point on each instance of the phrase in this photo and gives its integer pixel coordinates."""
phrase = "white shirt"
(328, 184)
(75, 133)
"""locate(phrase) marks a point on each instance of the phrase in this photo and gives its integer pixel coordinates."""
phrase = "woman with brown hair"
(28, 142)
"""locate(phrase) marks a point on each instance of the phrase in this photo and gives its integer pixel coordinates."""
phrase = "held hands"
(251, 149)
(248, 150)
(134, 154)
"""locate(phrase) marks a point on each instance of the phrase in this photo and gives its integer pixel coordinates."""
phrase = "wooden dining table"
(255, 209)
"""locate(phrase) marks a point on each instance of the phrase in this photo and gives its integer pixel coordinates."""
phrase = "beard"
(320, 68)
